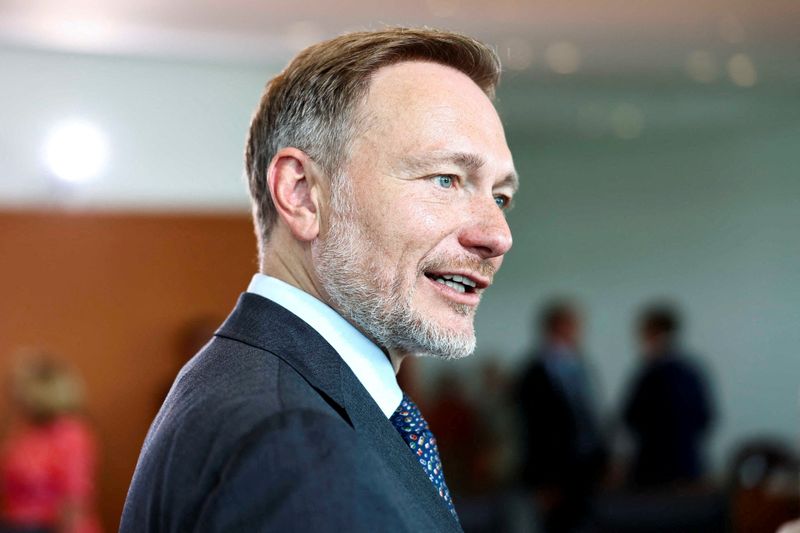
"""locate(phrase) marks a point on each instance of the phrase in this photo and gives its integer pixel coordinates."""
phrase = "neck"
(284, 261)
(287, 261)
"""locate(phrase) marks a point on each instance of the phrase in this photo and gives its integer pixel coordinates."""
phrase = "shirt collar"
(367, 361)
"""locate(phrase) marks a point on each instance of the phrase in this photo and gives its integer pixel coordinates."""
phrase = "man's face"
(418, 230)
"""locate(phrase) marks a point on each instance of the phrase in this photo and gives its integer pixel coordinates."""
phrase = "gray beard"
(378, 303)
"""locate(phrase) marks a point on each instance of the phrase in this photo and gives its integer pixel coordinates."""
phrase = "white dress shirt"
(368, 362)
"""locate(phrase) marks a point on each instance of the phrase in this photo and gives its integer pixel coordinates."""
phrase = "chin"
(449, 310)
(467, 333)
(446, 356)
(443, 338)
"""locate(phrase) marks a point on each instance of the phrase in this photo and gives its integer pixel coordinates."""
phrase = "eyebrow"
(468, 161)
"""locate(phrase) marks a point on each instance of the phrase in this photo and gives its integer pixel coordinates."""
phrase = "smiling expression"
(418, 229)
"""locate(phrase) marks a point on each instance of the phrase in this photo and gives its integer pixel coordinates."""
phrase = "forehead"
(414, 107)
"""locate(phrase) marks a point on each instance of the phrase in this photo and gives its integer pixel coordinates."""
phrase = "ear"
(293, 181)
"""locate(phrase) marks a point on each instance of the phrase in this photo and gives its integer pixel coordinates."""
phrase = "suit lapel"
(373, 426)
(264, 324)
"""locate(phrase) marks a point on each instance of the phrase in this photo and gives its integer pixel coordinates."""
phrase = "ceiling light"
(742, 71)
(701, 66)
(563, 57)
(76, 151)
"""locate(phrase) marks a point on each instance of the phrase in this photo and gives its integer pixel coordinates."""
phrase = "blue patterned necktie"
(408, 420)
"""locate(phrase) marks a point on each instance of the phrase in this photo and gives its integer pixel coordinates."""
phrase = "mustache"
(484, 267)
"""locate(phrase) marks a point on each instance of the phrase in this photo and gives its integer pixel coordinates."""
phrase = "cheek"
(425, 221)
(419, 231)
(405, 224)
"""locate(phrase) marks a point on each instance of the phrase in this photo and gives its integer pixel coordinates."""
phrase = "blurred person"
(48, 458)
(379, 174)
(668, 410)
(564, 453)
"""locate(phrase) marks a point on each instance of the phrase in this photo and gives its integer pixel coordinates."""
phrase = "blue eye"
(444, 181)
(501, 201)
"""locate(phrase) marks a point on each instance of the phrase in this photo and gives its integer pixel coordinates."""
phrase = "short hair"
(311, 104)
(660, 318)
(554, 312)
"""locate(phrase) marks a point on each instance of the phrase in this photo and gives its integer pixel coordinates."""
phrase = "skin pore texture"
(421, 199)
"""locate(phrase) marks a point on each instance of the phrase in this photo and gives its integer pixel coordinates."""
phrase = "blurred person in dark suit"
(379, 174)
(668, 409)
(564, 452)
(49, 456)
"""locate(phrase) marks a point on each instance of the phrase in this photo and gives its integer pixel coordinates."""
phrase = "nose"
(486, 232)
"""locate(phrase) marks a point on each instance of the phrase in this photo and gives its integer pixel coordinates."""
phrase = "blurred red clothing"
(47, 477)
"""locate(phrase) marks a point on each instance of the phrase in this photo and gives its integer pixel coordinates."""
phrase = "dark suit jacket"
(669, 412)
(267, 429)
(550, 430)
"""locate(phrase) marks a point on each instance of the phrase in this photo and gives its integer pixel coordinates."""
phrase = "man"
(564, 453)
(668, 410)
(379, 174)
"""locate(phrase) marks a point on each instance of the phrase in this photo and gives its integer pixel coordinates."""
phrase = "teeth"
(455, 281)
(465, 281)
(452, 284)
(457, 286)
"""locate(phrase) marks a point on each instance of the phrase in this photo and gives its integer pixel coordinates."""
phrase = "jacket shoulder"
(229, 400)
(298, 470)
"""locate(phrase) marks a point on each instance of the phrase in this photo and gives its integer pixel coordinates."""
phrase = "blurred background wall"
(118, 295)
(658, 150)
(700, 205)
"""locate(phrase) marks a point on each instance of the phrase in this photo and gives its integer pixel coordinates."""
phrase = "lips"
(464, 288)
(470, 280)
(457, 283)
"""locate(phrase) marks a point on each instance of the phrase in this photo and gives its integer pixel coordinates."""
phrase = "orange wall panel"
(113, 294)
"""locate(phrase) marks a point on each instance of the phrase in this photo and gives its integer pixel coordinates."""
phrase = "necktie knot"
(411, 425)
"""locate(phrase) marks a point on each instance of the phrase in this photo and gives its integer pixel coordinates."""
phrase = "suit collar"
(264, 324)
(368, 362)
(259, 322)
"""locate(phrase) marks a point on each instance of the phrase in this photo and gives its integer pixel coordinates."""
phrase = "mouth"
(463, 287)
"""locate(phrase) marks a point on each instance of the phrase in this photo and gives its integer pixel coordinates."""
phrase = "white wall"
(176, 130)
(704, 206)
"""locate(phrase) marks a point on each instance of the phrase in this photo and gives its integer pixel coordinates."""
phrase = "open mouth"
(458, 283)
